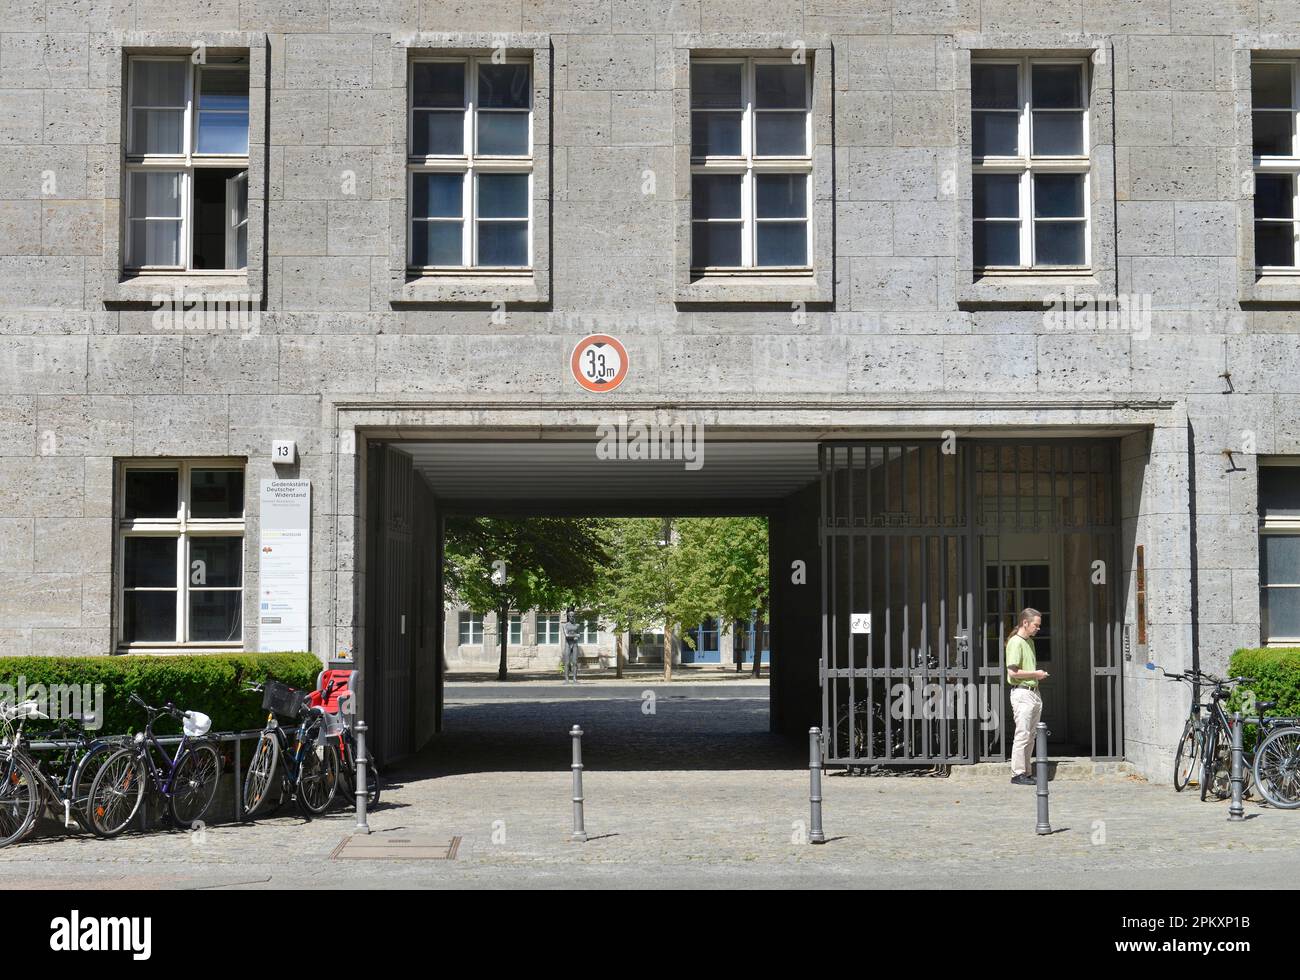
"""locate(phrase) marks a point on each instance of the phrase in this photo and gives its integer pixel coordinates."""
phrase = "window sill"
(157, 288)
(169, 649)
(1029, 289)
(1270, 287)
(469, 287)
(751, 287)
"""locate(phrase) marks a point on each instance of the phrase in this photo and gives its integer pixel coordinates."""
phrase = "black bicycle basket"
(281, 699)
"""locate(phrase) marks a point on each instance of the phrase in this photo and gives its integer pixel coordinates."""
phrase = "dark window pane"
(1274, 244)
(504, 86)
(503, 243)
(149, 617)
(1058, 243)
(1058, 134)
(1271, 133)
(217, 493)
(437, 243)
(780, 86)
(1281, 613)
(782, 195)
(997, 243)
(440, 132)
(503, 134)
(993, 86)
(715, 134)
(1270, 86)
(783, 243)
(715, 195)
(149, 563)
(437, 195)
(1058, 195)
(715, 244)
(1279, 491)
(995, 134)
(223, 132)
(1273, 196)
(1279, 562)
(215, 616)
(150, 493)
(996, 195)
(438, 85)
(216, 562)
(223, 88)
(715, 86)
(503, 196)
(781, 134)
(1057, 87)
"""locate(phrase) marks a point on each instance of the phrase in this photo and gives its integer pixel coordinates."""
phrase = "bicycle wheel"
(116, 793)
(79, 792)
(1189, 751)
(1208, 751)
(374, 783)
(194, 785)
(20, 797)
(318, 778)
(260, 780)
(1277, 768)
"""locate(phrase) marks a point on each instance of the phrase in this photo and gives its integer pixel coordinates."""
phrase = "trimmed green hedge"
(210, 683)
(1277, 678)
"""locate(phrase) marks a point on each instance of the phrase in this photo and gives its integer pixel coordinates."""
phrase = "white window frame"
(748, 165)
(589, 631)
(184, 528)
(184, 163)
(469, 163)
(470, 617)
(516, 628)
(1276, 527)
(544, 637)
(1024, 164)
(1284, 166)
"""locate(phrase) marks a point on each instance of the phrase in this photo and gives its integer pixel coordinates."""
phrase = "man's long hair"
(1026, 615)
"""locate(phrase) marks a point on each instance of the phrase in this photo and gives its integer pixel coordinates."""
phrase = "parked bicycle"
(27, 789)
(336, 701)
(308, 771)
(1206, 742)
(187, 780)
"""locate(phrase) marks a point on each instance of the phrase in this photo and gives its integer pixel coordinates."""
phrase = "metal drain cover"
(374, 847)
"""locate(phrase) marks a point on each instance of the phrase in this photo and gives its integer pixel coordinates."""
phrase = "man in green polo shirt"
(1026, 704)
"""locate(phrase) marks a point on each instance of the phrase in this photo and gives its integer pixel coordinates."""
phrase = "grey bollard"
(579, 828)
(1040, 777)
(815, 833)
(1235, 810)
(362, 826)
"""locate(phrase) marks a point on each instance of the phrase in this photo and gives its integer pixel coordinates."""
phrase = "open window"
(186, 164)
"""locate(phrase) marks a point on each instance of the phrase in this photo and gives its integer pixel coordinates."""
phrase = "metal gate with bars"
(915, 543)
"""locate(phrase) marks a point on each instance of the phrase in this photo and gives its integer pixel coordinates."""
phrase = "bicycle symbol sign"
(599, 363)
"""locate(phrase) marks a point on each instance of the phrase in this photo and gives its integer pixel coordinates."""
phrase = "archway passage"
(934, 547)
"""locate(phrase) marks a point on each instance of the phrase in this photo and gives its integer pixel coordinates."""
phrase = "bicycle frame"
(145, 744)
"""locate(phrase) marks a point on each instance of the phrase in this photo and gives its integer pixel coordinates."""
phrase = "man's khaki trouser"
(1027, 707)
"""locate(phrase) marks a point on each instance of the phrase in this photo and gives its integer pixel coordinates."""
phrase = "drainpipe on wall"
(1191, 535)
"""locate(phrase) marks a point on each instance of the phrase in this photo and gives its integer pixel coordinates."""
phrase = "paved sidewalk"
(696, 795)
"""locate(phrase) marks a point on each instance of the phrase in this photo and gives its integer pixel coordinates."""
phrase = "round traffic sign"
(599, 362)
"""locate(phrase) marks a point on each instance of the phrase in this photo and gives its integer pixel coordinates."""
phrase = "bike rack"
(51, 745)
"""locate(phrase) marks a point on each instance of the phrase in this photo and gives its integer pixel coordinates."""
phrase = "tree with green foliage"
(501, 564)
(721, 569)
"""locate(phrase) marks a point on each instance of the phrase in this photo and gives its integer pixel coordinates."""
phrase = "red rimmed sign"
(599, 363)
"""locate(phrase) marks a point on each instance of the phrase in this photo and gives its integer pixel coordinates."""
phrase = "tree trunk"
(618, 654)
(503, 628)
(758, 645)
(668, 653)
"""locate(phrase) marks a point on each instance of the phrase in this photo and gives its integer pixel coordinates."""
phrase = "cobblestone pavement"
(695, 794)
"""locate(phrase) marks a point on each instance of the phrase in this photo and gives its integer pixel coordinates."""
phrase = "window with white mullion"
(1030, 167)
(470, 159)
(180, 567)
(751, 164)
(1275, 111)
(186, 164)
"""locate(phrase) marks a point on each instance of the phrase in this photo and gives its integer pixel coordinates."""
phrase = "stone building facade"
(830, 269)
